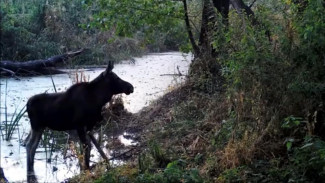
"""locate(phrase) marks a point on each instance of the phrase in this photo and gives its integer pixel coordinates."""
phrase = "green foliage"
(112, 30)
(157, 154)
(130, 16)
(154, 158)
(291, 122)
(122, 174)
(158, 24)
(188, 110)
(224, 133)
(295, 129)
(21, 24)
(144, 162)
(10, 126)
(205, 75)
(274, 70)
(40, 29)
(310, 27)
(173, 173)
(230, 175)
(308, 161)
(187, 116)
(271, 76)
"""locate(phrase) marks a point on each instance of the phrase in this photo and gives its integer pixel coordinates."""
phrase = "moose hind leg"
(86, 146)
(31, 146)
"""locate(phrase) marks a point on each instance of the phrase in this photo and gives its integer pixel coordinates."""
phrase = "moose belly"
(72, 121)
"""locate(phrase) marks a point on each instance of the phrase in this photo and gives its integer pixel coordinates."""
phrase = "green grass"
(11, 126)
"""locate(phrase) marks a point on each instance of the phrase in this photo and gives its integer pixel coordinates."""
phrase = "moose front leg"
(86, 146)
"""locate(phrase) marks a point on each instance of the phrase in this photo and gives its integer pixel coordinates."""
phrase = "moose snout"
(129, 90)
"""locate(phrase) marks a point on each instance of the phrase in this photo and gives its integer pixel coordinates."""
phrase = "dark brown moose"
(79, 108)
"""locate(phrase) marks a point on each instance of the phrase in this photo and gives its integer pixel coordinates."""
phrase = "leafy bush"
(21, 26)
(173, 173)
(307, 162)
(122, 174)
(40, 29)
(157, 24)
(272, 77)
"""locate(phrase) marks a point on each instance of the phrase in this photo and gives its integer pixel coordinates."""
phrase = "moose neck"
(102, 91)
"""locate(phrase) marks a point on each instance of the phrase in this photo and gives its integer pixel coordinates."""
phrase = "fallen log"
(35, 67)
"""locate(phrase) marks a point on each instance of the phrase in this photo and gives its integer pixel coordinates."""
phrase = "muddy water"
(151, 75)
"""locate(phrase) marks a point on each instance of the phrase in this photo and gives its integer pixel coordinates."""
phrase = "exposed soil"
(138, 126)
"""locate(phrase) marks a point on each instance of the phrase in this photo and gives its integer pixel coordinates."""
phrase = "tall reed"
(11, 125)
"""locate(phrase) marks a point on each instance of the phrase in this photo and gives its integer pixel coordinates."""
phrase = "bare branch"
(13, 74)
(93, 139)
(251, 5)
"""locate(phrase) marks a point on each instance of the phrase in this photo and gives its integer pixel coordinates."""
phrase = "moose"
(79, 108)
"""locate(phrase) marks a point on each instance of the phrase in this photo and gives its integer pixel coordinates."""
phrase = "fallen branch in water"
(13, 74)
(172, 75)
(33, 67)
(179, 73)
(122, 154)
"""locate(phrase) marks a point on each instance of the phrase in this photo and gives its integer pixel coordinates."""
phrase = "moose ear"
(110, 66)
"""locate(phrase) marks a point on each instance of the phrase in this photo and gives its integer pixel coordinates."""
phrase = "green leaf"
(172, 164)
(289, 145)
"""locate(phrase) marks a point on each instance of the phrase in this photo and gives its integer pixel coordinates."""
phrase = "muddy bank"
(137, 127)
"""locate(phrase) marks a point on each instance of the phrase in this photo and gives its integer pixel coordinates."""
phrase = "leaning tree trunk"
(242, 8)
(222, 7)
(35, 67)
(207, 27)
(195, 47)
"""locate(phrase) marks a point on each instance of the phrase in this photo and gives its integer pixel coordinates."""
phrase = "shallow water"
(151, 76)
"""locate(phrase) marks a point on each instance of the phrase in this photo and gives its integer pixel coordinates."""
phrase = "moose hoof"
(31, 177)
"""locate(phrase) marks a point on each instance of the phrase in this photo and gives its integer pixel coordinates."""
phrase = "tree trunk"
(35, 67)
(241, 8)
(207, 24)
(196, 49)
(223, 7)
